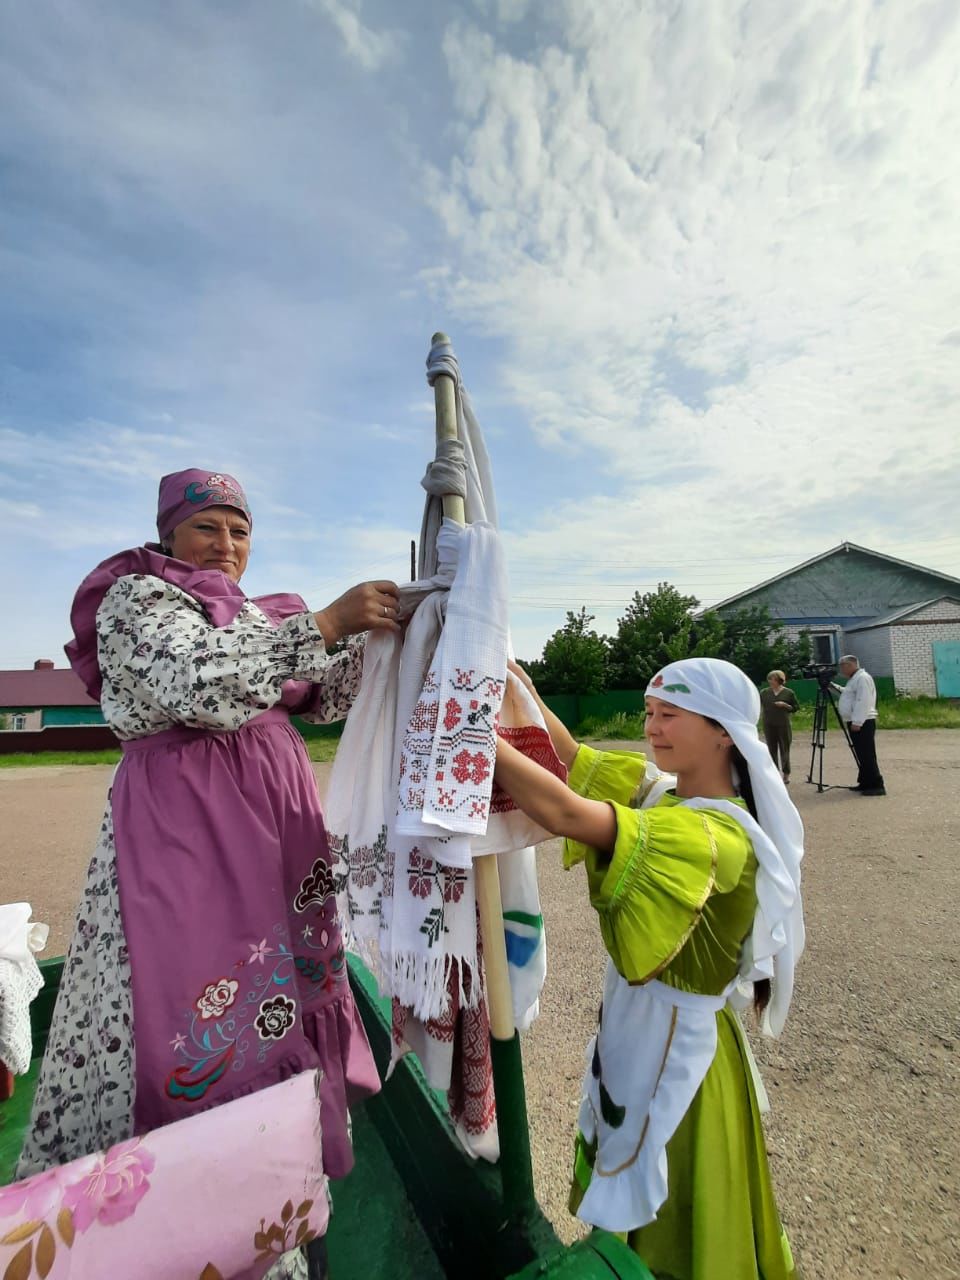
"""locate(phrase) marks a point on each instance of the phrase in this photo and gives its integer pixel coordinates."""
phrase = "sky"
(700, 264)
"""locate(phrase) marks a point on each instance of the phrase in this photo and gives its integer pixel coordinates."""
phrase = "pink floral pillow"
(221, 1194)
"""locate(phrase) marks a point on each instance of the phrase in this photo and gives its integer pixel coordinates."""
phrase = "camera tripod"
(825, 699)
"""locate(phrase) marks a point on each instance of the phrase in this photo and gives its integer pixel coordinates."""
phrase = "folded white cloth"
(20, 982)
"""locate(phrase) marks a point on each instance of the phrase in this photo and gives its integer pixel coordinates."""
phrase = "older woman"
(777, 705)
(206, 961)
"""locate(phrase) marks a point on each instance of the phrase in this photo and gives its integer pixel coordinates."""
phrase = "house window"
(18, 722)
(821, 644)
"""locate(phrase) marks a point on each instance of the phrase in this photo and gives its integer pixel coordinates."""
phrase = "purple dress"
(207, 960)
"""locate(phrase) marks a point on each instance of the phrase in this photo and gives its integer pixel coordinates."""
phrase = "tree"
(660, 627)
(757, 644)
(574, 658)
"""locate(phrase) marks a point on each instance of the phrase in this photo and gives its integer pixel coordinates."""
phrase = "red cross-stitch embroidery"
(471, 767)
(453, 713)
(535, 744)
(454, 882)
(423, 874)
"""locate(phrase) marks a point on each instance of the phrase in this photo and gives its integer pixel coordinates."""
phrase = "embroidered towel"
(404, 848)
(461, 701)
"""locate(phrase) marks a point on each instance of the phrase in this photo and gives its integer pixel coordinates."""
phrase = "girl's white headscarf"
(721, 691)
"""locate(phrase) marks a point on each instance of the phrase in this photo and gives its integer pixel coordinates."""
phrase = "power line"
(519, 556)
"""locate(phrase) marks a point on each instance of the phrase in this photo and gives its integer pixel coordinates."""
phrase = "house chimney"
(43, 664)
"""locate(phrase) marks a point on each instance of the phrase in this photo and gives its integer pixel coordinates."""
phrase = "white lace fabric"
(20, 983)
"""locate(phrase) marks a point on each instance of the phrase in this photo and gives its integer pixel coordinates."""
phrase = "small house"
(48, 707)
(900, 619)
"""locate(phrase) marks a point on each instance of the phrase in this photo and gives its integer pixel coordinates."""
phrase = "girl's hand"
(371, 606)
(521, 675)
(551, 803)
(564, 743)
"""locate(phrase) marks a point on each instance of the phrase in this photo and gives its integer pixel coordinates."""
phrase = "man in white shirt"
(858, 708)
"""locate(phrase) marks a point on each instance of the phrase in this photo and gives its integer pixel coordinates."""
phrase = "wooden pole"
(516, 1167)
(487, 878)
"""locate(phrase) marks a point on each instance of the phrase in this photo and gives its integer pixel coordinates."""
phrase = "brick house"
(918, 645)
(900, 619)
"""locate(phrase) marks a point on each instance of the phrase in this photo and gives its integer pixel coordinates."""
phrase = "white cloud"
(12, 512)
(719, 238)
(505, 11)
(371, 49)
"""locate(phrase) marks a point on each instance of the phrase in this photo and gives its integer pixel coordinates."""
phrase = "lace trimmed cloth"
(20, 983)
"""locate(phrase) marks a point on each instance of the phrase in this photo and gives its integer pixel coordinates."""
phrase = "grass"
(318, 749)
(898, 713)
(22, 759)
(622, 727)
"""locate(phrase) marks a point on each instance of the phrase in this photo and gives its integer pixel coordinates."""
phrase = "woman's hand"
(371, 606)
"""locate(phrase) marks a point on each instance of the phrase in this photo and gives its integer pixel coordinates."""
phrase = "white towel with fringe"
(411, 800)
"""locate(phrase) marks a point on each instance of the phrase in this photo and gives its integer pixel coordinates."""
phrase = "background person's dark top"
(777, 717)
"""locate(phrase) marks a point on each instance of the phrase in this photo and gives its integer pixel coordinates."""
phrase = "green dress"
(675, 901)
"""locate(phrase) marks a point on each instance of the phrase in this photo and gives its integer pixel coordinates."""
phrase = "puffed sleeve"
(650, 892)
(334, 693)
(156, 646)
(621, 776)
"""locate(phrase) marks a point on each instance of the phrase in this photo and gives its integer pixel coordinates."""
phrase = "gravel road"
(864, 1135)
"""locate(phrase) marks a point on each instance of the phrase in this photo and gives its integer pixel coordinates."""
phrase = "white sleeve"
(155, 646)
(845, 702)
(863, 698)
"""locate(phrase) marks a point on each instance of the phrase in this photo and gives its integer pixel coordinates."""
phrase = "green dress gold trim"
(675, 900)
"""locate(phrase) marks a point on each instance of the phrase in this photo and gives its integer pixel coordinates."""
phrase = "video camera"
(822, 672)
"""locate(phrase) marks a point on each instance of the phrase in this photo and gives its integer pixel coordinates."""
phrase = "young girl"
(696, 881)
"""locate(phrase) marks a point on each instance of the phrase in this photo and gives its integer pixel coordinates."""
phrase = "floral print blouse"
(164, 664)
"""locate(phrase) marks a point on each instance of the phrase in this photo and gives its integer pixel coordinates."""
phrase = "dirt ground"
(864, 1133)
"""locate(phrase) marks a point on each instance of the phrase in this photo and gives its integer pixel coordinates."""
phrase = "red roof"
(38, 689)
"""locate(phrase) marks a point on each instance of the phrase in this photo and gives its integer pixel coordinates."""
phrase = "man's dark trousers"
(864, 739)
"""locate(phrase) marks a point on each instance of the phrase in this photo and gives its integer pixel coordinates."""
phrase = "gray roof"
(835, 551)
(895, 616)
(849, 584)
